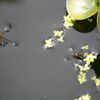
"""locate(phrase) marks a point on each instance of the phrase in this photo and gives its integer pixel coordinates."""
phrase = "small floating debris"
(82, 67)
(7, 27)
(68, 21)
(57, 33)
(81, 77)
(85, 47)
(5, 41)
(14, 44)
(87, 58)
(85, 54)
(77, 56)
(49, 43)
(58, 36)
(90, 58)
(61, 39)
(96, 80)
(84, 97)
(71, 49)
(90, 19)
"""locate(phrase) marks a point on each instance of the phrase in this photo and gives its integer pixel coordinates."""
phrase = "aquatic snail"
(83, 9)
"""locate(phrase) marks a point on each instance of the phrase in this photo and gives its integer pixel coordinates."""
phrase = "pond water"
(28, 71)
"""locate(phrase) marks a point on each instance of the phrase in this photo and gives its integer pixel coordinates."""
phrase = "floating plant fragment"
(68, 21)
(48, 43)
(84, 97)
(90, 58)
(61, 39)
(85, 54)
(58, 36)
(96, 80)
(78, 66)
(82, 77)
(85, 66)
(57, 33)
(85, 47)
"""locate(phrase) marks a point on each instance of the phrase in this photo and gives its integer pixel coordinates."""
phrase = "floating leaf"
(98, 20)
(81, 9)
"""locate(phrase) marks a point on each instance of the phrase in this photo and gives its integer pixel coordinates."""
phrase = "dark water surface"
(28, 72)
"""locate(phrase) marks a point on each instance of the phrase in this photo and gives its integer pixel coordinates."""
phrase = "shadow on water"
(86, 25)
(10, 1)
(96, 66)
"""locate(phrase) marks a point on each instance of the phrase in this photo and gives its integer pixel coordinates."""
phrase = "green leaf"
(81, 9)
(98, 20)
